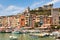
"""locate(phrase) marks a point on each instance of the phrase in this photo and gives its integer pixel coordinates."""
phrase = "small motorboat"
(57, 37)
(13, 38)
(41, 35)
(15, 32)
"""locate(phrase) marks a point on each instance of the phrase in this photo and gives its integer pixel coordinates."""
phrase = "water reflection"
(5, 36)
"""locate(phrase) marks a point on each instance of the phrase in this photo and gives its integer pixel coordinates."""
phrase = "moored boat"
(16, 32)
(41, 34)
(57, 37)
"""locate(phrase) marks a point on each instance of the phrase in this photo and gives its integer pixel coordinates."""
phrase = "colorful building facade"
(28, 18)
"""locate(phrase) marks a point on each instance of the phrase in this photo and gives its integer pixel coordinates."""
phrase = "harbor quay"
(42, 22)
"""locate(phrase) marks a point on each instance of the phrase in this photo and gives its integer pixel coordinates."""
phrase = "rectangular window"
(59, 18)
(59, 9)
(54, 19)
(27, 18)
(22, 19)
(59, 21)
(0, 25)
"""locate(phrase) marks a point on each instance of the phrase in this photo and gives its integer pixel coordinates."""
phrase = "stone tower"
(55, 16)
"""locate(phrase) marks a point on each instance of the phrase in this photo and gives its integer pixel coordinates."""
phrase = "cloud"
(52, 2)
(14, 9)
(0, 5)
(11, 10)
(36, 4)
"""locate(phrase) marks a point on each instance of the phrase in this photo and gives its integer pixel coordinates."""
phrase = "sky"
(12, 7)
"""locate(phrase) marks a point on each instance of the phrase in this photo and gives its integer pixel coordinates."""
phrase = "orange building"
(22, 20)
